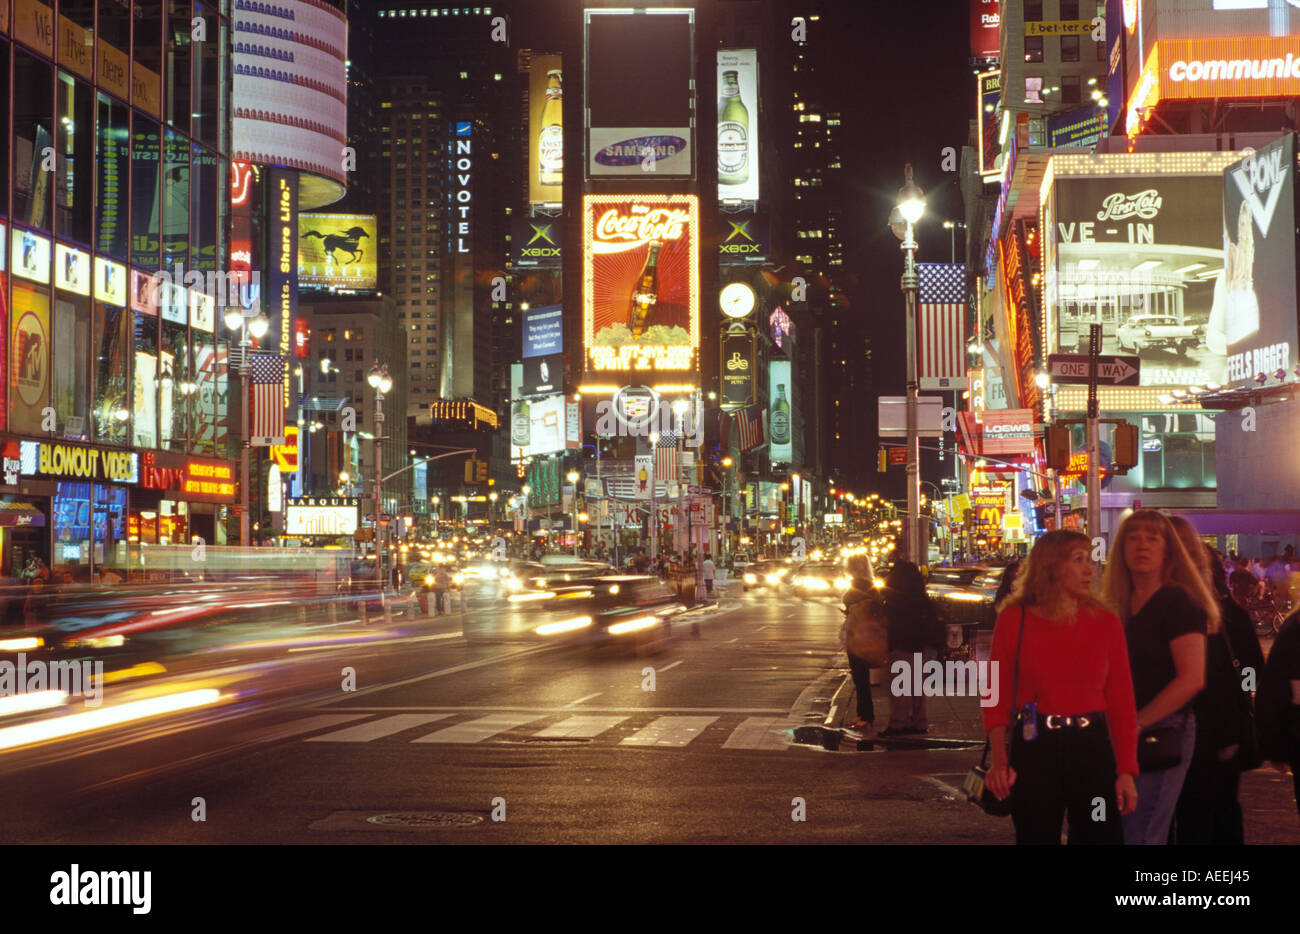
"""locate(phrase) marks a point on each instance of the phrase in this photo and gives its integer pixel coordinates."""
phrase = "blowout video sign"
(641, 298)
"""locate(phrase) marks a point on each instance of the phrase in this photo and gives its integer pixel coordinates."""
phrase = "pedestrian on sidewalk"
(915, 634)
(861, 589)
(1167, 610)
(441, 585)
(709, 573)
(1209, 812)
(1066, 695)
(1278, 702)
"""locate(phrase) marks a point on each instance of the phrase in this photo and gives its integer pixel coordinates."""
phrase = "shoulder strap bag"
(976, 792)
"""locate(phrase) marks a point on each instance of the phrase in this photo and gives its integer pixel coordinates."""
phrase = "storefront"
(84, 510)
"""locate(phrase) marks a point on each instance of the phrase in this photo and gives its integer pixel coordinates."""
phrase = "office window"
(203, 209)
(70, 342)
(111, 177)
(1033, 90)
(1070, 90)
(1069, 48)
(1033, 11)
(207, 79)
(146, 151)
(74, 149)
(111, 342)
(1069, 9)
(176, 200)
(33, 95)
(177, 92)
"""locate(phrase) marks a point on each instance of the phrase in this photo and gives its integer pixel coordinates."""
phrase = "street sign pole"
(1094, 448)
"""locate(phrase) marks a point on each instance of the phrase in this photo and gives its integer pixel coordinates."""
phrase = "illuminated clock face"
(736, 300)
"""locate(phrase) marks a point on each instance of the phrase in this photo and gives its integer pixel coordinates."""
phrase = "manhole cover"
(426, 819)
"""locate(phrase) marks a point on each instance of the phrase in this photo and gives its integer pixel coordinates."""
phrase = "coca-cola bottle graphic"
(646, 293)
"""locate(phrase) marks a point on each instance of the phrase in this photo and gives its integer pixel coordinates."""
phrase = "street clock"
(737, 300)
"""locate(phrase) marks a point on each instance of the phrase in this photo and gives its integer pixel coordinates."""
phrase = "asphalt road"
(481, 735)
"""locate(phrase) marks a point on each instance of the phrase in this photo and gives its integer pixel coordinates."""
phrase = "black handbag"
(1160, 748)
(973, 786)
(1248, 755)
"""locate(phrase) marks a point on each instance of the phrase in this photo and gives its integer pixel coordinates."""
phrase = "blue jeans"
(1158, 791)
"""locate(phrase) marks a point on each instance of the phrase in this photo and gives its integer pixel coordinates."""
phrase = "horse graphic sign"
(336, 252)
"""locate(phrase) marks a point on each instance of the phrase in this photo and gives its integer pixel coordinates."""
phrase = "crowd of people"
(1149, 694)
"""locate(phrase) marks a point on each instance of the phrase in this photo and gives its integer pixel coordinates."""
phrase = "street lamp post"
(952, 227)
(381, 383)
(573, 503)
(910, 207)
(244, 327)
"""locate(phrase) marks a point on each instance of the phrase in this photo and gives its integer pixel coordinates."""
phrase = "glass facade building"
(114, 234)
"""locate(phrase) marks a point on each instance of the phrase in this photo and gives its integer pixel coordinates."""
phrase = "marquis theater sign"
(641, 308)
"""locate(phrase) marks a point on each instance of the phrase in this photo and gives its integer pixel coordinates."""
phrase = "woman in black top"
(1167, 610)
(1278, 702)
(914, 630)
(1208, 810)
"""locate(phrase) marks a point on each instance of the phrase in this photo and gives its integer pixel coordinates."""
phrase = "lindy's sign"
(78, 462)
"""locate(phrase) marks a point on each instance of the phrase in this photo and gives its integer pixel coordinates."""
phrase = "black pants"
(1208, 811)
(862, 685)
(1063, 772)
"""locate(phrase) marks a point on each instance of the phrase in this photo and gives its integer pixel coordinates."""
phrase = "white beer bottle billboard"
(780, 417)
(521, 426)
(550, 141)
(733, 133)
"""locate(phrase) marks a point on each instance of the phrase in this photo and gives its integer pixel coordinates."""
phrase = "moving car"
(625, 609)
(1142, 331)
(964, 598)
(820, 579)
(766, 574)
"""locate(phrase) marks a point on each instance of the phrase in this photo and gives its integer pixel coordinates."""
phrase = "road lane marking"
(943, 786)
(364, 644)
(455, 669)
(670, 667)
(377, 729)
(729, 641)
(285, 730)
(474, 731)
(761, 733)
(542, 711)
(580, 727)
(669, 731)
(581, 699)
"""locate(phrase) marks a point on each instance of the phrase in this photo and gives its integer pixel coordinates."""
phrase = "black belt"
(1079, 721)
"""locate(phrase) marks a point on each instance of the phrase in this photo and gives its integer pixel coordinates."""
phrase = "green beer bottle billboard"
(733, 133)
(780, 418)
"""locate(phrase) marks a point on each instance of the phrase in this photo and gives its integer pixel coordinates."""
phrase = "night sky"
(906, 91)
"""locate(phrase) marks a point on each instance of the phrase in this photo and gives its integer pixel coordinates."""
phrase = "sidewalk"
(954, 721)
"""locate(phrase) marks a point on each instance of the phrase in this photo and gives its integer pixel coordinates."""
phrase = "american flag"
(942, 323)
(750, 424)
(667, 458)
(266, 387)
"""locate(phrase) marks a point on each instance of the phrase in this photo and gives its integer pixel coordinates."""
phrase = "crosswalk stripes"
(581, 727)
(760, 733)
(755, 733)
(477, 730)
(669, 731)
(377, 729)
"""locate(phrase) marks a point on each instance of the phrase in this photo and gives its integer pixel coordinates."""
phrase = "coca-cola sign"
(1143, 204)
(641, 275)
(617, 231)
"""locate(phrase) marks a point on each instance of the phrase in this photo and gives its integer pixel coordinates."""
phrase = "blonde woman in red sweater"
(1072, 721)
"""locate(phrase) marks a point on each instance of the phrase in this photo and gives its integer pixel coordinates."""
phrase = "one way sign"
(1112, 370)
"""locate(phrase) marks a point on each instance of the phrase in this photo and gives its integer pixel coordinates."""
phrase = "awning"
(15, 513)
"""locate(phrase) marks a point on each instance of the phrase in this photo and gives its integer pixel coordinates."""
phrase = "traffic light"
(882, 461)
(469, 470)
(1058, 447)
(1124, 447)
(482, 471)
